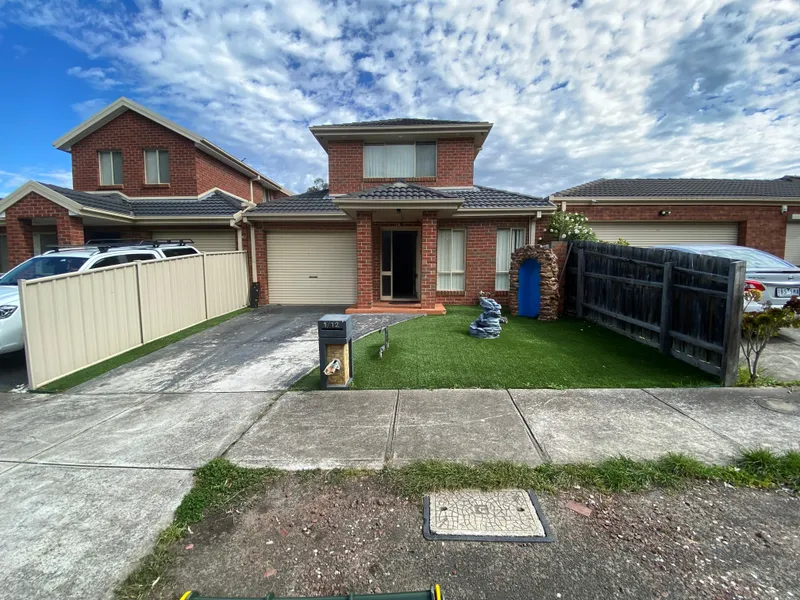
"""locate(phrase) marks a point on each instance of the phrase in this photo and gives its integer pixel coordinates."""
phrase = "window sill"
(155, 185)
(110, 187)
(451, 293)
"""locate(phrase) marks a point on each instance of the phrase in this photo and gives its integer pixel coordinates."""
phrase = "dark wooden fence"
(687, 305)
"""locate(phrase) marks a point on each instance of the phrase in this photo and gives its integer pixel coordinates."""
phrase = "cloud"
(9, 181)
(94, 76)
(577, 90)
(87, 108)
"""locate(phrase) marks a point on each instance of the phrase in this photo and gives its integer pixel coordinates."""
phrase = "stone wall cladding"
(762, 227)
(548, 308)
(132, 134)
(455, 160)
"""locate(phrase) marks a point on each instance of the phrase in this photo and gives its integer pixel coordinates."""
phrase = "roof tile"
(764, 188)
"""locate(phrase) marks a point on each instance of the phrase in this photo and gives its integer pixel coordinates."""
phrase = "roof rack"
(104, 245)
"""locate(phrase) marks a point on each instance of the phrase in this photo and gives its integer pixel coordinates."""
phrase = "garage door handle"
(313, 277)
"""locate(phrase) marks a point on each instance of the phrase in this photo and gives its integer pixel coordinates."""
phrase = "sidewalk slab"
(69, 532)
(752, 417)
(590, 425)
(32, 423)
(320, 430)
(461, 425)
(165, 431)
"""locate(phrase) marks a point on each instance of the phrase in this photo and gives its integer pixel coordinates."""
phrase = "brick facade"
(364, 247)
(762, 227)
(455, 160)
(212, 173)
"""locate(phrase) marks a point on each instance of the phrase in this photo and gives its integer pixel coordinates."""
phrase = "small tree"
(759, 327)
(570, 226)
(318, 185)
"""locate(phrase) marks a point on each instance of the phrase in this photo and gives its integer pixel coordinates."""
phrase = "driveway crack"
(543, 454)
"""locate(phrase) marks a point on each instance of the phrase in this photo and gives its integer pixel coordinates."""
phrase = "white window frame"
(498, 271)
(158, 152)
(415, 144)
(452, 271)
(100, 154)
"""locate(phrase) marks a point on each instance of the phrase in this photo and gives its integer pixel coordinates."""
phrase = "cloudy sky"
(577, 89)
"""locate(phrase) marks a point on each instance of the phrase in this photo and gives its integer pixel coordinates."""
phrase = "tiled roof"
(216, 204)
(309, 202)
(399, 190)
(777, 188)
(400, 123)
(485, 197)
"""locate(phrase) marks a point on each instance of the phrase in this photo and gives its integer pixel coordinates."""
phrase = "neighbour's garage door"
(205, 240)
(307, 267)
(653, 233)
(792, 253)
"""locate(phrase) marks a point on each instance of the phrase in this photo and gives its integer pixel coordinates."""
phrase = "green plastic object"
(432, 594)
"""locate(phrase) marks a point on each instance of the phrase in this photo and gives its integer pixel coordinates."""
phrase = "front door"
(399, 256)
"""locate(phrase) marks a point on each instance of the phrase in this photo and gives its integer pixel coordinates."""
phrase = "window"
(139, 256)
(42, 266)
(400, 160)
(110, 167)
(264, 194)
(451, 259)
(44, 241)
(170, 252)
(508, 240)
(108, 261)
(156, 166)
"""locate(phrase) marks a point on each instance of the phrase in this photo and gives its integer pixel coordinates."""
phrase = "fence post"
(579, 284)
(734, 307)
(29, 358)
(665, 339)
(205, 283)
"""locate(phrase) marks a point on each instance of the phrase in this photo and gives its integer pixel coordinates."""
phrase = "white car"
(93, 255)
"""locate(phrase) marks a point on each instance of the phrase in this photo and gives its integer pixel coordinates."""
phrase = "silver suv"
(95, 254)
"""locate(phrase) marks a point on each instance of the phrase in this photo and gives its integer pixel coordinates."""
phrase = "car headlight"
(7, 310)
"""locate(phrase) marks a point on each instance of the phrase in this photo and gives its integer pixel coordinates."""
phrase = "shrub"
(759, 327)
(570, 226)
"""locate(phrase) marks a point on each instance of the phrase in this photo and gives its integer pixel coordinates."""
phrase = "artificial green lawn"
(437, 352)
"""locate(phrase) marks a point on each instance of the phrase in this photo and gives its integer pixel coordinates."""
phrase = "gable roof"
(785, 187)
(120, 105)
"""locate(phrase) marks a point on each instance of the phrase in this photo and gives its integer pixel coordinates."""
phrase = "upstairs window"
(156, 166)
(392, 161)
(110, 167)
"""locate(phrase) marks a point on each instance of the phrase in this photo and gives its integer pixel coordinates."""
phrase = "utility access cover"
(473, 515)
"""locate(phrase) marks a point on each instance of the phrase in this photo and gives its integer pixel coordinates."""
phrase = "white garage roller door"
(306, 267)
(792, 253)
(205, 240)
(653, 233)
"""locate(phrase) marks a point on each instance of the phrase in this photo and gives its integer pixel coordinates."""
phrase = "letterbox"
(335, 351)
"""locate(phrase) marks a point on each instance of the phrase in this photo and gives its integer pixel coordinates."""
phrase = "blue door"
(529, 294)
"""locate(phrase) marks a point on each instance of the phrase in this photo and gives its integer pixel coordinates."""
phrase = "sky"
(577, 89)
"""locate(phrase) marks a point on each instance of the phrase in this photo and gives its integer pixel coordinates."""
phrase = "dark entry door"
(404, 265)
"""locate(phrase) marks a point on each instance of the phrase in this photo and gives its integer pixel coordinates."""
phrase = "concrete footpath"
(370, 429)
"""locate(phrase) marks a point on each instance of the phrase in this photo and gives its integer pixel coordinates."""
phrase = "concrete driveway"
(88, 479)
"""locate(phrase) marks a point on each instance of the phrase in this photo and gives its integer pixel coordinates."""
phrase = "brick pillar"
(364, 259)
(429, 263)
(20, 240)
(260, 237)
(69, 230)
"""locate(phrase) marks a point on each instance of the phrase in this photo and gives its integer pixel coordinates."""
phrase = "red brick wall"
(762, 227)
(454, 166)
(132, 134)
(212, 173)
(20, 231)
(364, 253)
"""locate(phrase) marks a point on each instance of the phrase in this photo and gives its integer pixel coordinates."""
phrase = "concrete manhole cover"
(472, 515)
(785, 407)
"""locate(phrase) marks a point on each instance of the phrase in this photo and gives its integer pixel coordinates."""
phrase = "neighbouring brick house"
(135, 175)
(760, 213)
(402, 225)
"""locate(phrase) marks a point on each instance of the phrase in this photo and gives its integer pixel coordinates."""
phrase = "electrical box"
(335, 351)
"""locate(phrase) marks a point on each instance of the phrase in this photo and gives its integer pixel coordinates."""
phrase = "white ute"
(72, 259)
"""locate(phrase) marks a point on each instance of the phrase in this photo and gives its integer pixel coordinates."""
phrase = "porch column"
(364, 259)
(69, 230)
(19, 234)
(429, 261)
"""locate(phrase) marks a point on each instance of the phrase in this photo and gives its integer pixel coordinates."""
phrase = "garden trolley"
(435, 593)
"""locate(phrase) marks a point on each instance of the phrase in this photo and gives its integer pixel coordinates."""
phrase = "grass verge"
(59, 385)
(217, 484)
(763, 380)
(755, 468)
(220, 484)
(437, 352)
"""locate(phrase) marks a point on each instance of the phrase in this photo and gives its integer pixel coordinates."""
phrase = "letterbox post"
(335, 343)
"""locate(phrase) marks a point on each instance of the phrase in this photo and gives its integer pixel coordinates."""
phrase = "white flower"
(563, 235)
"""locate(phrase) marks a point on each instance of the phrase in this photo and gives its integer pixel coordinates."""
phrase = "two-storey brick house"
(136, 175)
(402, 225)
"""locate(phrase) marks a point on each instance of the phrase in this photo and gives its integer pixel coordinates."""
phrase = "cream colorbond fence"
(76, 320)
